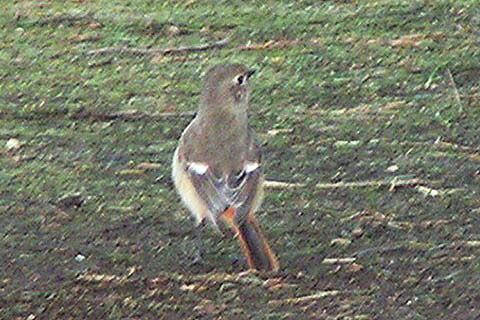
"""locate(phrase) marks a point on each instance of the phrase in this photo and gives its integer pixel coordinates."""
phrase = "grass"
(345, 91)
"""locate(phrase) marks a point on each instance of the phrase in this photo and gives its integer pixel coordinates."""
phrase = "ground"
(367, 111)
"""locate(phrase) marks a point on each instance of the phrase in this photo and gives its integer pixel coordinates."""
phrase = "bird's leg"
(199, 246)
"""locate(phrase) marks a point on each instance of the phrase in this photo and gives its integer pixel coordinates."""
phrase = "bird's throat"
(224, 123)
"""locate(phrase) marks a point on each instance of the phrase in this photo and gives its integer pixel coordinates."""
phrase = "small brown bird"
(217, 166)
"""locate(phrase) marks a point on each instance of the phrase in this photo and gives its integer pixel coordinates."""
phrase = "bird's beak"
(250, 72)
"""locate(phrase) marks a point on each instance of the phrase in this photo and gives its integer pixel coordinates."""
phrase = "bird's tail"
(255, 247)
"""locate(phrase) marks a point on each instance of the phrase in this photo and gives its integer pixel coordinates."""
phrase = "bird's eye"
(240, 79)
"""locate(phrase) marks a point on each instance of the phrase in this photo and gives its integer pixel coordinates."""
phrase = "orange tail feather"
(255, 247)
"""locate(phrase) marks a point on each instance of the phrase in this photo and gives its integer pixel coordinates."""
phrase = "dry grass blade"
(369, 183)
(318, 295)
(165, 51)
(130, 115)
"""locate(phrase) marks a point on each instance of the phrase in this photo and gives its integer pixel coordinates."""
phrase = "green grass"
(353, 88)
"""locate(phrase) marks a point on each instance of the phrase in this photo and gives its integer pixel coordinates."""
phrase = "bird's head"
(226, 88)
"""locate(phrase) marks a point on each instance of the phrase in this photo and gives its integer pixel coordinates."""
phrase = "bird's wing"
(220, 193)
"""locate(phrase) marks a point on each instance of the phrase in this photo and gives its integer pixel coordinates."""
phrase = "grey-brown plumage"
(217, 166)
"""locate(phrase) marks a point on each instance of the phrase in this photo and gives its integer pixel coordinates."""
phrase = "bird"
(217, 166)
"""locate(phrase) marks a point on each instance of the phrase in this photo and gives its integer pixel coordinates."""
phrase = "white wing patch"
(198, 167)
(251, 166)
